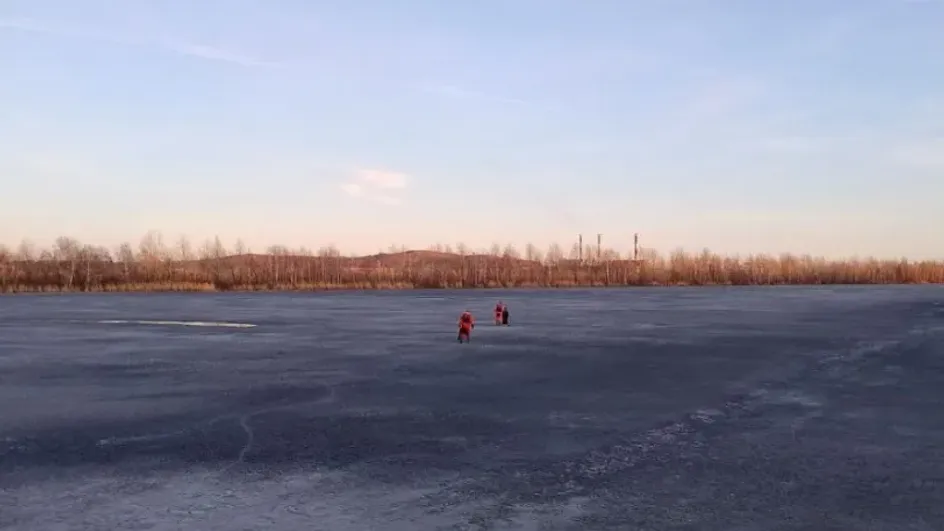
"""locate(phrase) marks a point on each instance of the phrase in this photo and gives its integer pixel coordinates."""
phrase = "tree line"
(69, 265)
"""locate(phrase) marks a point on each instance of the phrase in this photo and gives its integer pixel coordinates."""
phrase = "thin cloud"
(28, 25)
(22, 24)
(387, 200)
(715, 101)
(928, 154)
(198, 51)
(383, 179)
(833, 35)
(722, 96)
(211, 53)
(377, 186)
(457, 92)
(352, 189)
(799, 144)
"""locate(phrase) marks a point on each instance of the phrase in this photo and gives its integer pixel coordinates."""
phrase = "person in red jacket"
(466, 324)
(499, 308)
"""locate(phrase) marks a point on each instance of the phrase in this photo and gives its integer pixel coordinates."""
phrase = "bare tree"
(278, 255)
(217, 253)
(125, 256)
(184, 249)
(26, 252)
(6, 268)
(89, 255)
(510, 252)
(307, 256)
(330, 260)
(219, 250)
(151, 247)
(531, 253)
(67, 250)
(329, 251)
(610, 255)
(151, 252)
(554, 254)
(574, 252)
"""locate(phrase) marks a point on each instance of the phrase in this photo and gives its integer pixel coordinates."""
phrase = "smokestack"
(580, 247)
(599, 246)
(636, 246)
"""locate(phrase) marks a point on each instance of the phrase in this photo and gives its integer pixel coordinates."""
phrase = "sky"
(742, 126)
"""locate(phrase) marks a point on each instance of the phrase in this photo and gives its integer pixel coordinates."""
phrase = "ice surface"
(694, 409)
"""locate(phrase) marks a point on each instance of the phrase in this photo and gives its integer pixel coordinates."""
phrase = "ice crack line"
(250, 433)
(250, 440)
(668, 441)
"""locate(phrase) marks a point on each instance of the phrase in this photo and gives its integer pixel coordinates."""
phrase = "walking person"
(466, 324)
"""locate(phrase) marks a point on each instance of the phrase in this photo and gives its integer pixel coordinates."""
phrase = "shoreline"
(210, 289)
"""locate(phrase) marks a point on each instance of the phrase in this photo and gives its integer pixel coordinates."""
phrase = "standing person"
(499, 308)
(504, 315)
(466, 324)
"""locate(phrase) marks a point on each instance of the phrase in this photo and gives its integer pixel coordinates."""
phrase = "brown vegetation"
(154, 266)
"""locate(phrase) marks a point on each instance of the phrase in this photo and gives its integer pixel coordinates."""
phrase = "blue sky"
(742, 126)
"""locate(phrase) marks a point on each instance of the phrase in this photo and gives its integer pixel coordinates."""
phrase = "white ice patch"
(646, 326)
(706, 415)
(117, 441)
(791, 397)
(210, 324)
(335, 500)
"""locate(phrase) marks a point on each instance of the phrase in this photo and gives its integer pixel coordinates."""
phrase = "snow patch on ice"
(208, 324)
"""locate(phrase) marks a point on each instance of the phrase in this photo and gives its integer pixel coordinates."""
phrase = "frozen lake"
(665, 409)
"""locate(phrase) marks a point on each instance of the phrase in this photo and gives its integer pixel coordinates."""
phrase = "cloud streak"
(719, 101)
(210, 53)
(27, 25)
(216, 54)
(454, 91)
(187, 49)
